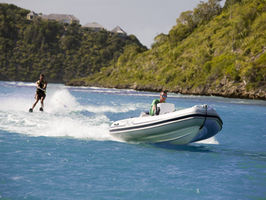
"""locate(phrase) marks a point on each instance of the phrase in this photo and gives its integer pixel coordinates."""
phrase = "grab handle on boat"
(206, 110)
(158, 109)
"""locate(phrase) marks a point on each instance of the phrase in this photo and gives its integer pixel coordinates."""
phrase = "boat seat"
(165, 108)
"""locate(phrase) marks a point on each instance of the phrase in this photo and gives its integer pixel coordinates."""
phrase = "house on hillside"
(31, 15)
(119, 30)
(94, 26)
(68, 19)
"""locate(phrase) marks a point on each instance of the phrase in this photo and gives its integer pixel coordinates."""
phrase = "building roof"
(32, 13)
(94, 25)
(60, 17)
(118, 29)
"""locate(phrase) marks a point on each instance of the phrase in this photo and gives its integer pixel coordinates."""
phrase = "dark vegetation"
(61, 51)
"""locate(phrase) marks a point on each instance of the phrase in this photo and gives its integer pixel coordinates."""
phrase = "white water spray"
(58, 120)
(211, 140)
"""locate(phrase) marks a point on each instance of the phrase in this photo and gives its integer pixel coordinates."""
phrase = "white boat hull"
(179, 127)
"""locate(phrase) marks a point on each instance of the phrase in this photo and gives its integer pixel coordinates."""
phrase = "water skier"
(40, 92)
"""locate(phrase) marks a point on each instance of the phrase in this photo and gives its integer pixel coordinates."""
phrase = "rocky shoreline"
(225, 89)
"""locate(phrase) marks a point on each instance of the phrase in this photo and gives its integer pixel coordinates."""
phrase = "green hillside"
(210, 51)
(61, 51)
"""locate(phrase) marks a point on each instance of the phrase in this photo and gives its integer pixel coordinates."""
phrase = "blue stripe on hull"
(211, 127)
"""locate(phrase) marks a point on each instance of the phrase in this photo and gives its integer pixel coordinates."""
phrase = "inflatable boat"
(172, 126)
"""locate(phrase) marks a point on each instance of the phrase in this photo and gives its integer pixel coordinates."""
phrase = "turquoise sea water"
(66, 152)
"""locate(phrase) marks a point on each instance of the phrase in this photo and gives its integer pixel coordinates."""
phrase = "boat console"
(164, 108)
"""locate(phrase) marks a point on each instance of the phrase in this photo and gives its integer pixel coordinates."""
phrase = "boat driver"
(153, 109)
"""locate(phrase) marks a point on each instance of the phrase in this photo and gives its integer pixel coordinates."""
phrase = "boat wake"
(64, 117)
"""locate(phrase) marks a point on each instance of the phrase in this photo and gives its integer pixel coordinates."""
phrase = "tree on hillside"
(189, 20)
(231, 2)
(204, 12)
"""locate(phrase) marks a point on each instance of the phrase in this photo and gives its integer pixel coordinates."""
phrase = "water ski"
(30, 110)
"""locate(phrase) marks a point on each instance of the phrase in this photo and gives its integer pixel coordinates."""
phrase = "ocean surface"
(66, 152)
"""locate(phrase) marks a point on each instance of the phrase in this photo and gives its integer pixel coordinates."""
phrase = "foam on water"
(14, 83)
(62, 118)
(211, 140)
(63, 101)
(113, 109)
